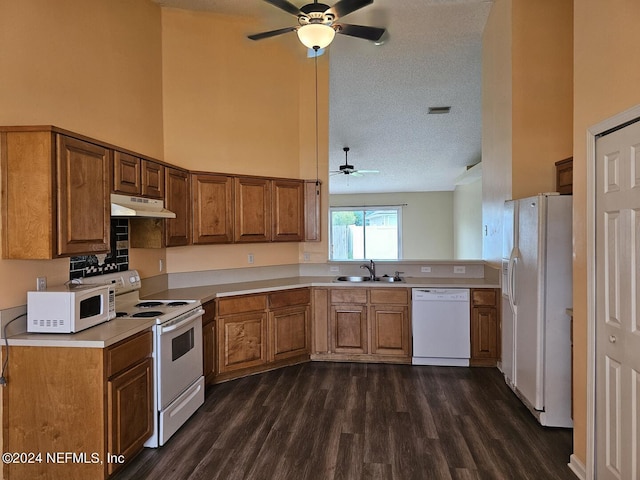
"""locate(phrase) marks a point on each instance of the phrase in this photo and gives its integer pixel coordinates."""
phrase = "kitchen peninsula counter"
(206, 293)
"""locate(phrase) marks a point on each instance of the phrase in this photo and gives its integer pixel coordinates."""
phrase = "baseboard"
(577, 467)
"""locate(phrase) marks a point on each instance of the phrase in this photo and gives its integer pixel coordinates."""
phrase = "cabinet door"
(241, 341)
(484, 334)
(289, 332)
(252, 209)
(389, 330)
(126, 173)
(287, 210)
(152, 179)
(130, 411)
(178, 230)
(312, 225)
(349, 329)
(213, 208)
(84, 204)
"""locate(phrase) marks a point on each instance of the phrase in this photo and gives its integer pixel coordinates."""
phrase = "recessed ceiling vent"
(439, 110)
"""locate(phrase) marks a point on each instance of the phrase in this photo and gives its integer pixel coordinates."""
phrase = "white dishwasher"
(441, 326)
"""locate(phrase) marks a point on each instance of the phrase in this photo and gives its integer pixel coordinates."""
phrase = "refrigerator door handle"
(511, 274)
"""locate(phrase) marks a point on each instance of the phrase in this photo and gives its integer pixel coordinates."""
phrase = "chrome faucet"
(372, 269)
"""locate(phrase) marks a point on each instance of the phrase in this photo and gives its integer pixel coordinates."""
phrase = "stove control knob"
(132, 279)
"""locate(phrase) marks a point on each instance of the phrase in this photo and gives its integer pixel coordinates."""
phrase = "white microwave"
(69, 308)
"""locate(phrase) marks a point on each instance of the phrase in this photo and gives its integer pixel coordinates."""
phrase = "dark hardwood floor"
(361, 421)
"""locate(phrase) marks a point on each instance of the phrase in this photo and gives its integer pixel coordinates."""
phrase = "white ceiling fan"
(347, 169)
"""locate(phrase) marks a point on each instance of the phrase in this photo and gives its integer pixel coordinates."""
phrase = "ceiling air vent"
(437, 110)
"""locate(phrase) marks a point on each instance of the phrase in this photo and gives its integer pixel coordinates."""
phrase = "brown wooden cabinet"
(55, 193)
(364, 324)
(152, 179)
(312, 224)
(289, 323)
(261, 331)
(178, 200)
(564, 176)
(485, 327)
(287, 207)
(126, 173)
(212, 208)
(65, 399)
(209, 342)
(133, 175)
(252, 213)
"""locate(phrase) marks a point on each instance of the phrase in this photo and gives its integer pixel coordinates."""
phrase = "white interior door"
(617, 283)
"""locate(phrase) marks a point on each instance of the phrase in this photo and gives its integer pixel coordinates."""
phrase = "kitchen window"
(365, 233)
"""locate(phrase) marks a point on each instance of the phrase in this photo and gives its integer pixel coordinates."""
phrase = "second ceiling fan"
(317, 23)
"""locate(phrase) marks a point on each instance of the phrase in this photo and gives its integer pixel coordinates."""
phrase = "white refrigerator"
(537, 289)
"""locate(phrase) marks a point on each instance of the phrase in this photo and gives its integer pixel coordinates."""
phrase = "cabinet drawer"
(398, 296)
(289, 298)
(128, 352)
(242, 304)
(349, 295)
(484, 297)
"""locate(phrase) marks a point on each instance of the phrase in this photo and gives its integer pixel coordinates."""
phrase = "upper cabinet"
(136, 176)
(55, 195)
(287, 204)
(178, 200)
(252, 209)
(212, 208)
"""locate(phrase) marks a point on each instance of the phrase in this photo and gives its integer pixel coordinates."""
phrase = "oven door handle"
(182, 322)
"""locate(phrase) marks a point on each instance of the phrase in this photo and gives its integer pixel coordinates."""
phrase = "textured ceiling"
(380, 94)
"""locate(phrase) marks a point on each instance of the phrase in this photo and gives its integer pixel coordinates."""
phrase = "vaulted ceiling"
(380, 94)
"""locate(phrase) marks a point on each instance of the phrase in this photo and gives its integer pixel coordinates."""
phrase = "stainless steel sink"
(389, 279)
(353, 279)
(368, 279)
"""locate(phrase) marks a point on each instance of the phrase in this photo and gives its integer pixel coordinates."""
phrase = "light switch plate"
(425, 269)
(459, 269)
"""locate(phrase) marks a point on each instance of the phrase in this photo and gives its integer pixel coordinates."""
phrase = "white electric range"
(177, 350)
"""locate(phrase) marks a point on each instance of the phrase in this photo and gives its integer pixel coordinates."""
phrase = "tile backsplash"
(116, 260)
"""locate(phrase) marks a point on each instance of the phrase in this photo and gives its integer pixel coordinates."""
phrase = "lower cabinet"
(364, 324)
(485, 327)
(209, 342)
(94, 403)
(262, 331)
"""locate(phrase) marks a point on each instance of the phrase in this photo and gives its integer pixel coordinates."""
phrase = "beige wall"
(467, 221)
(427, 220)
(236, 106)
(606, 79)
(90, 67)
(496, 126)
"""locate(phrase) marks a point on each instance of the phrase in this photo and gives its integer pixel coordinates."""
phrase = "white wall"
(467, 221)
(427, 220)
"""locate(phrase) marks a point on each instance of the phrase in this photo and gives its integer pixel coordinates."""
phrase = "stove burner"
(176, 304)
(121, 314)
(150, 313)
(148, 304)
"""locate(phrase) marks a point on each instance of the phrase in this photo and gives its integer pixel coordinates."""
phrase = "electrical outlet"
(250, 258)
(334, 269)
(425, 269)
(41, 284)
(459, 269)
(306, 256)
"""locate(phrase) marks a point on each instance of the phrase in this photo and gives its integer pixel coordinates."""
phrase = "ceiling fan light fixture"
(316, 35)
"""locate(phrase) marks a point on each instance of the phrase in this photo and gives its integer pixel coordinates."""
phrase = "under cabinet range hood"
(128, 206)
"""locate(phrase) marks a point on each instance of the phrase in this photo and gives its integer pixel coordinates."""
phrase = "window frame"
(396, 208)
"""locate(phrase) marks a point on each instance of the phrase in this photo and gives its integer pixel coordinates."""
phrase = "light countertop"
(118, 329)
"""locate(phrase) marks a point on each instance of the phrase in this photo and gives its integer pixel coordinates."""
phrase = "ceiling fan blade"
(368, 171)
(360, 31)
(345, 7)
(286, 6)
(356, 174)
(272, 33)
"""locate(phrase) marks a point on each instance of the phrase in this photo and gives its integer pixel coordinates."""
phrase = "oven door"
(179, 355)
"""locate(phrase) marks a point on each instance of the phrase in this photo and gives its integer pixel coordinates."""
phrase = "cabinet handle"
(612, 339)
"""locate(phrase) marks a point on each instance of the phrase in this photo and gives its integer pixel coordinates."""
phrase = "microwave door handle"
(182, 322)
